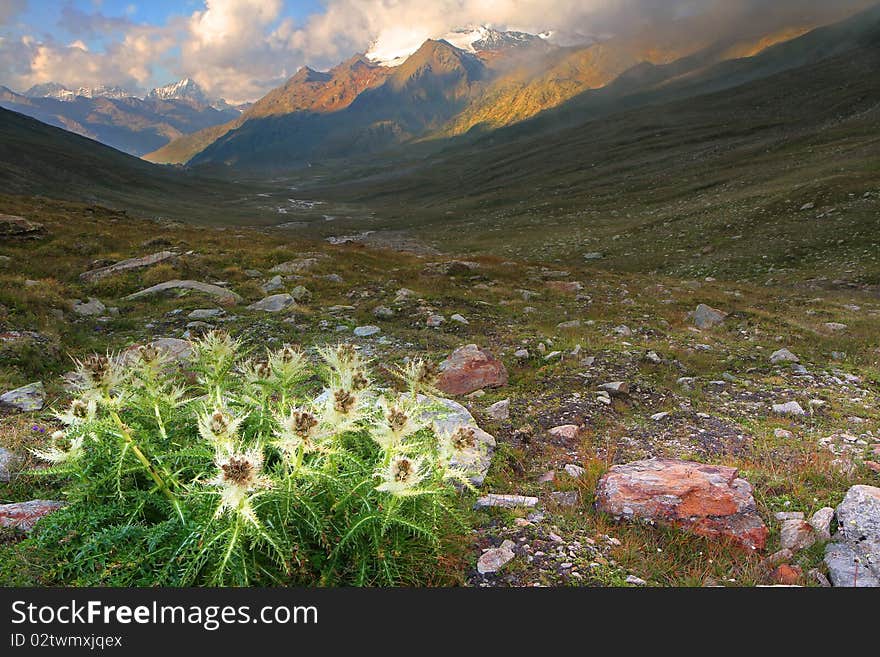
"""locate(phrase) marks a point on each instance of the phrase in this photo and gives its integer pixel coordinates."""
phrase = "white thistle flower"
(342, 410)
(298, 430)
(57, 452)
(256, 371)
(219, 428)
(240, 478)
(453, 442)
(401, 476)
(80, 411)
(287, 363)
(398, 419)
(99, 376)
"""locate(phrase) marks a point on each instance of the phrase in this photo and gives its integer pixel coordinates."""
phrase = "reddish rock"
(787, 575)
(470, 368)
(24, 515)
(707, 500)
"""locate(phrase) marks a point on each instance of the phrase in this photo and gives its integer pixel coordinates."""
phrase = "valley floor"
(561, 331)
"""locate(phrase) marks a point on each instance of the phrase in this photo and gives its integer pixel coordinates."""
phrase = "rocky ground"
(647, 431)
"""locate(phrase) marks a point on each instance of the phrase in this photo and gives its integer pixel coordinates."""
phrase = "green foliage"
(239, 475)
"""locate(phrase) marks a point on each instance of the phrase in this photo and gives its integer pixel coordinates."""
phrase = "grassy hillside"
(36, 158)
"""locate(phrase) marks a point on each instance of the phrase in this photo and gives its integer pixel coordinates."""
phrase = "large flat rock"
(224, 295)
(470, 368)
(707, 500)
(126, 265)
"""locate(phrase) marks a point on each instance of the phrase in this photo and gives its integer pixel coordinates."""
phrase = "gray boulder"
(91, 308)
(854, 558)
(27, 398)
(224, 295)
(126, 265)
(273, 304)
(705, 317)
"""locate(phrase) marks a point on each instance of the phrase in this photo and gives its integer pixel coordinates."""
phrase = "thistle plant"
(249, 468)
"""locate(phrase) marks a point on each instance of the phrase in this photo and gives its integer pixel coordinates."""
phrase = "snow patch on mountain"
(394, 49)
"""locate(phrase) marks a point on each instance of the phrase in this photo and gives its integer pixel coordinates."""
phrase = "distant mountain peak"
(471, 39)
(185, 89)
(60, 92)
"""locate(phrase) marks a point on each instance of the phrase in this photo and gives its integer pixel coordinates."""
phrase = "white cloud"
(239, 49)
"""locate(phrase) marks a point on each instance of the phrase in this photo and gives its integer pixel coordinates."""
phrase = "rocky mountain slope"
(116, 118)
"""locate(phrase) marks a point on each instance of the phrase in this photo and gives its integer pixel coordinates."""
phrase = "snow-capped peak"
(186, 89)
(482, 38)
(60, 92)
(393, 49)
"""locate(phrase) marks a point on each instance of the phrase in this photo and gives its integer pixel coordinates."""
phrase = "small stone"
(470, 368)
(91, 308)
(705, 317)
(821, 523)
(632, 580)
(783, 356)
(300, 294)
(659, 417)
(494, 559)
(366, 331)
(574, 471)
(565, 431)
(787, 575)
(789, 408)
(653, 357)
(273, 284)
(796, 535)
(547, 477)
(616, 388)
(522, 354)
(505, 501)
(459, 319)
(435, 321)
(383, 312)
(273, 304)
(573, 324)
(499, 410)
(783, 433)
(206, 313)
(836, 327)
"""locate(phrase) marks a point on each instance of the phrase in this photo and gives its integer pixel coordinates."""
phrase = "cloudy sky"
(239, 49)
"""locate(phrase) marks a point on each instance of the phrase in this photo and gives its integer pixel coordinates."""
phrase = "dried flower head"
(99, 375)
(218, 427)
(344, 401)
(401, 476)
(298, 430)
(239, 476)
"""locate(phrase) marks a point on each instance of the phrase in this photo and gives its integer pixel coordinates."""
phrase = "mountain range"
(118, 118)
(468, 82)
